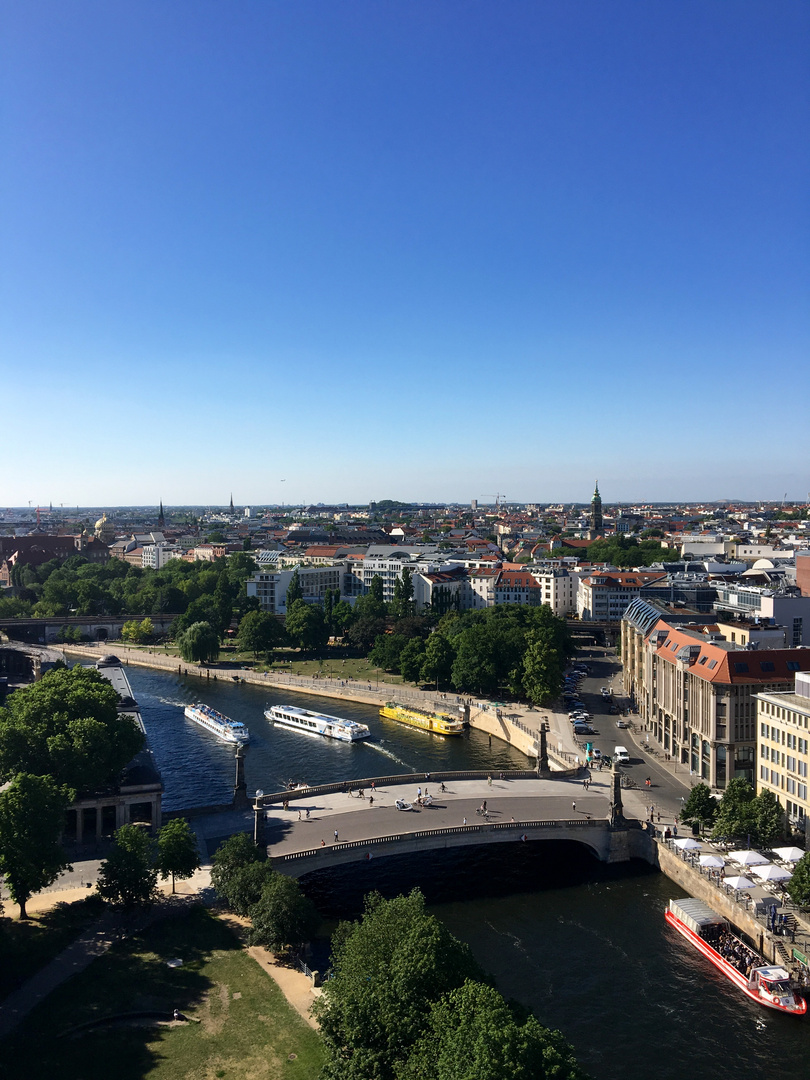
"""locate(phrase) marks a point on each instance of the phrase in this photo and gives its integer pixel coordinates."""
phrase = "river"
(583, 944)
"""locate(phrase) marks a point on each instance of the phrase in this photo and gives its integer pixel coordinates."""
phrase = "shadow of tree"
(134, 975)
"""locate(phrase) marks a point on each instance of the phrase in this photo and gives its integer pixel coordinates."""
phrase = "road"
(669, 782)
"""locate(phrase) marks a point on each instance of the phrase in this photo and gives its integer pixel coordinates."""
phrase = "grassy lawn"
(289, 660)
(246, 1029)
(27, 946)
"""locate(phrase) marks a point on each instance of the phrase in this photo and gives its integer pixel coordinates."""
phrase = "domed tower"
(105, 530)
(596, 510)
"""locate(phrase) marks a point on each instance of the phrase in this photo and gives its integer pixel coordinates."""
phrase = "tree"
(294, 590)
(411, 660)
(769, 818)
(799, 885)
(32, 816)
(387, 650)
(701, 806)
(230, 857)
(372, 605)
(67, 726)
(128, 877)
(365, 631)
(245, 886)
(137, 630)
(177, 855)
(283, 915)
(542, 668)
(438, 663)
(388, 968)
(199, 644)
(342, 617)
(473, 1032)
(737, 812)
(306, 627)
(259, 632)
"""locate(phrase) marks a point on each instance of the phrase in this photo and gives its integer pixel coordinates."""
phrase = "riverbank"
(516, 725)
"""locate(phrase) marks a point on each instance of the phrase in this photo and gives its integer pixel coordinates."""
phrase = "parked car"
(614, 710)
(604, 691)
(622, 724)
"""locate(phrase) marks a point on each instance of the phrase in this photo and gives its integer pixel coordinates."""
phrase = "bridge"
(320, 828)
(40, 631)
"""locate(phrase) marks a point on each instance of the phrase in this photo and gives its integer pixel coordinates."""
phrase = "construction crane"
(496, 497)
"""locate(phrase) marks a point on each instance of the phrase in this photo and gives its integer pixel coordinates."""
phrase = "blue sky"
(418, 250)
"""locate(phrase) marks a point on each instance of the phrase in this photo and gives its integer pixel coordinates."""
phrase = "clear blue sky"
(415, 249)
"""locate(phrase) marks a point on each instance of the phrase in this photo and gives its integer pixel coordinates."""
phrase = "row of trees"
(507, 649)
(200, 591)
(407, 1001)
(740, 813)
(281, 915)
(128, 876)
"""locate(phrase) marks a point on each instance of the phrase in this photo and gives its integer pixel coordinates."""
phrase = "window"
(793, 665)
(740, 667)
(712, 665)
(767, 665)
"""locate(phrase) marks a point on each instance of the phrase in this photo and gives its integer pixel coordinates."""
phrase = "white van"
(620, 755)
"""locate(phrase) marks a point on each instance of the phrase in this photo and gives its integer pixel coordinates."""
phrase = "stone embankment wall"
(693, 882)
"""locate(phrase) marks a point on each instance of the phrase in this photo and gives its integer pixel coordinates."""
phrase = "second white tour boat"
(315, 723)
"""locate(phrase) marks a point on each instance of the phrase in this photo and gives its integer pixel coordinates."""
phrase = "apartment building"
(697, 693)
(784, 747)
(270, 586)
(604, 596)
(781, 607)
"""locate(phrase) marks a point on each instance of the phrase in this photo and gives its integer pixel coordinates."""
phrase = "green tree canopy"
(387, 650)
(244, 886)
(32, 816)
(799, 885)
(199, 644)
(231, 856)
(294, 590)
(437, 665)
(128, 877)
(259, 632)
(282, 916)
(411, 659)
(769, 818)
(543, 666)
(372, 605)
(700, 806)
(473, 1034)
(306, 627)
(388, 968)
(68, 726)
(177, 855)
(737, 812)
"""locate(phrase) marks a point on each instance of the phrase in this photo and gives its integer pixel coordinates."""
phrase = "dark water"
(584, 945)
(198, 770)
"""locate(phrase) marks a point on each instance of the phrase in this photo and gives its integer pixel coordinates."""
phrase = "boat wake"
(388, 754)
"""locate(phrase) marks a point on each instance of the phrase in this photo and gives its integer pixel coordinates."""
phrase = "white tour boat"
(222, 726)
(315, 723)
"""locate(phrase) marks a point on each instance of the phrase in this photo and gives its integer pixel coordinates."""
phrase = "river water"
(583, 944)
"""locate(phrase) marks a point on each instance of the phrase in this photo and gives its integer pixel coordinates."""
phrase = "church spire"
(231, 502)
(161, 519)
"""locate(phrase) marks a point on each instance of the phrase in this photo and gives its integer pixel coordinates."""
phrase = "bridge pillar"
(616, 813)
(240, 798)
(259, 832)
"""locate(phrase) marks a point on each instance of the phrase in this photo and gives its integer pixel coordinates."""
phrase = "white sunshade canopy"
(772, 872)
(688, 844)
(739, 882)
(789, 854)
(747, 858)
(714, 862)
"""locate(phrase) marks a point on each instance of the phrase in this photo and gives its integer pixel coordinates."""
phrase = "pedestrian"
(659, 817)
(371, 800)
(489, 781)
(464, 822)
(419, 793)
(336, 836)
(299, 815)
(307, 813)
(427, 777)
(443, 788)
(323, 843)
(585, 783)
(574, 807)
(372, 786)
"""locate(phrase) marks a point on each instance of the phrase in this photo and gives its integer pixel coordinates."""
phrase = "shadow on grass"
(26, 947)
(133, 976)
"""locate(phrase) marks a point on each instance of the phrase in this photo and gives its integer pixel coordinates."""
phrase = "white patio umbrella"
(789, 854)
(713, 862)
(747, 858)
(772, 872)
(688, 844)
(739, 882)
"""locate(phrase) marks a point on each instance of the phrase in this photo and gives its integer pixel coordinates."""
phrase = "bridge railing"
(450, 830)
(388, 781)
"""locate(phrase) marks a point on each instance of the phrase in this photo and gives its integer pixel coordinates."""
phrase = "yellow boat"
(438, 723)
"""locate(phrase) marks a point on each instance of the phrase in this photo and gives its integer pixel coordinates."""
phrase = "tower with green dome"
(596, 511)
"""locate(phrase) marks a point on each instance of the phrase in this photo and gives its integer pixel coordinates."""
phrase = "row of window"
(775, 779)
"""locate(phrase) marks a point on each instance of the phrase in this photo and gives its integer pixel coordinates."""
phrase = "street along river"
(584, 945)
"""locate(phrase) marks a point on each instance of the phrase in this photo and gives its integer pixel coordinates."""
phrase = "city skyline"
(427, 253)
